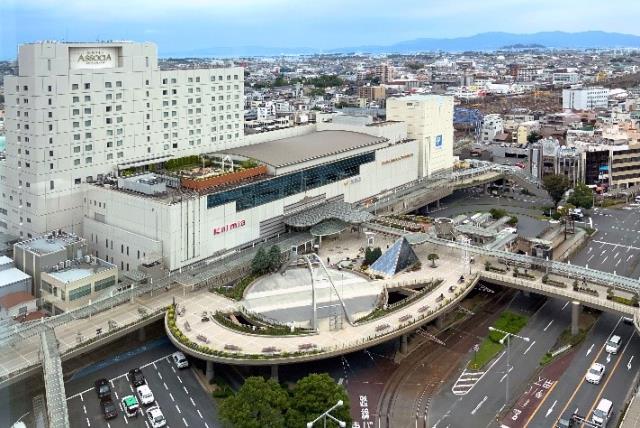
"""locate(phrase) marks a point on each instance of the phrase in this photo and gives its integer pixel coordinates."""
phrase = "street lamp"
(506, 337)
(326, 415)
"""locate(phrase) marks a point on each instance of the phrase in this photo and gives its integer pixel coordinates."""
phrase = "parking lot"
(182, 400)
(616, 246)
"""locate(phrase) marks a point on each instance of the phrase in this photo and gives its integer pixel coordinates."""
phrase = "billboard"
(438, 141)
(93, 58)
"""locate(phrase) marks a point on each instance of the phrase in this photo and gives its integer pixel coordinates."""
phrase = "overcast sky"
(183, 25)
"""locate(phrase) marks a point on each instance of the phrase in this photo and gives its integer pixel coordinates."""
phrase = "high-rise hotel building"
(78, 110)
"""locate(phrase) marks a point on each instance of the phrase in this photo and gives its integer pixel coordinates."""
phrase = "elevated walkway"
(53, 381)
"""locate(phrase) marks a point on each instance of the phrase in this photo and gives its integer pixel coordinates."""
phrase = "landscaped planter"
(221, 180)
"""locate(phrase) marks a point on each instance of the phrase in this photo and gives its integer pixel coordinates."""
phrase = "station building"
(250, 193)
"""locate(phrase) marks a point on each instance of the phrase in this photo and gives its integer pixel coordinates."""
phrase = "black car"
(136, 377)
(109, 409)
(103, 388)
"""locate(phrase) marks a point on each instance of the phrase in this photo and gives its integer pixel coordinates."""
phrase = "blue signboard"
(604, 168)
(438, 141)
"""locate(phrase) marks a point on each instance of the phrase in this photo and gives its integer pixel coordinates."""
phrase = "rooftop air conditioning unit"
(87, 258)
(67, 263)
(61, 265)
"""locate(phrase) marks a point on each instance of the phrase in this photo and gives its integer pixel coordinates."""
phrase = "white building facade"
(585, 98)
(429, 120)
(76, 111)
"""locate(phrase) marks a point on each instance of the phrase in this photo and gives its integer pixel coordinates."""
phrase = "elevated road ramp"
(56, 398)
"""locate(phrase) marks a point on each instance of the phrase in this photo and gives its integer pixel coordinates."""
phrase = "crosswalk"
(466, 381)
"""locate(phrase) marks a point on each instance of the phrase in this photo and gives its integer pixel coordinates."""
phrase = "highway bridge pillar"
(142, 336)
(274, 372)
(404, 343)
(575, 318)
(440, 322)
(210, 373)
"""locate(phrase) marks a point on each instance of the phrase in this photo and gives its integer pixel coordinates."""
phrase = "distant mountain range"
(479, 42)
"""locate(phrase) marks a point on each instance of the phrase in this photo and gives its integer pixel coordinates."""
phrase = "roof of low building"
(10, 300)
(293, 150)
(11, 276)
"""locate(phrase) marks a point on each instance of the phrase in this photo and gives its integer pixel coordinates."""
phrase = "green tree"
(433, 257)
(534, 137)
(565, 213)
(312, 396)
(280, 81)
(497, 213)
(582, 196)
(555, 185)
(260, 262)
(274, 258)
(371, 255)
(257, 404)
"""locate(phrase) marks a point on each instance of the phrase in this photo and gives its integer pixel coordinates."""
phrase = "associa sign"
(228, 227)
(92, 58)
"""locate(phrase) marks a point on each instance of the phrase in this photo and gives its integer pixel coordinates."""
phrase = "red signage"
(235, 225)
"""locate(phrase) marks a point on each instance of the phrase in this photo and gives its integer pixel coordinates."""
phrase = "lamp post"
(506, 337)
(327, 414)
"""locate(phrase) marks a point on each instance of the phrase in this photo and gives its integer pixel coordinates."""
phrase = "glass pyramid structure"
(397, 258)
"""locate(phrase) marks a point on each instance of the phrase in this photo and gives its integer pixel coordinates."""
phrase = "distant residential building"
(384, 72)
(491, 126)
(372, 93)
(585, 98)
(565, 78)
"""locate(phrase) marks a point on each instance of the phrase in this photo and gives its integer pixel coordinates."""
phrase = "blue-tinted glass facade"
(262, 192)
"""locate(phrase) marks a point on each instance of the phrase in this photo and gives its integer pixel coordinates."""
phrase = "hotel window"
(109, 156)
(164, 81)
(75, 112)
(87, 110)
(119, 84)
(120, 154)
(118, 96)
(76, 124)
(109, 97)
(74, 86)
(76, 149)
(88, 160)
(173, 80)
(76, 99)
(87, 85)
(87, 98)
(107, 84)
(76, 161)
(87, 123)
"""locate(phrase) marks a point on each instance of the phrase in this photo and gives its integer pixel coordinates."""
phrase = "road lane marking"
(589, 259)
(473, 412)
(629, 258)
(551, 409)
(590, 349)
(192, 402)
(172, 399)
(530, 346)
(615, 366)
(88, 423)
(165, 386)
(199, 414)
(565, 305)
(618, 262)
(186, 391)
(159, 375)
(629, 363)
(178, 409)
(548, 325)
(205, 425)
(185, 422)
(617, 254)
(115, 393)
(506, 374)
(605, 259)
(179, 379)
(84, 408)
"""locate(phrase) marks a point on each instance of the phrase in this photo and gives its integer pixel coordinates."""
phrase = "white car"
(145, 394)
(595, 373)
(180, 360)
(155, 417)
(613, 344)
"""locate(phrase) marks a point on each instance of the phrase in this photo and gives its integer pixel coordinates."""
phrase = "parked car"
(145, 394)
(613, 344)
(155, 417)
(180, 360)
(109, 409)
(595, 373)
(103, 388)
(130, 405)
(136, 377)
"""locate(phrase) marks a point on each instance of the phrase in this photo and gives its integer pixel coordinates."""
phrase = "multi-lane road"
(572, 394)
